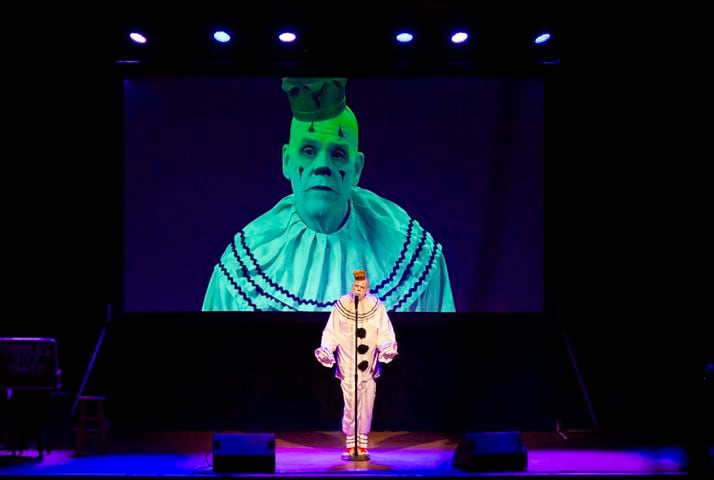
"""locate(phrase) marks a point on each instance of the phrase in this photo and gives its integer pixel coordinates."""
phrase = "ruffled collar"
(283, 265)
(367, 308)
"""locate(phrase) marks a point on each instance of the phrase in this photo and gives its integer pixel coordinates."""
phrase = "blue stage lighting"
(287, 37)
(404, 37)
(459, 37)
(222, 36)
(542, 38)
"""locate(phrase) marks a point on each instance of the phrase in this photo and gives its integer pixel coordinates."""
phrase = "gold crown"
(360, 275)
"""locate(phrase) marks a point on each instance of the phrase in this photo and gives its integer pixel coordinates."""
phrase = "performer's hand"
(387, 352)
(387, 357)
(325, 357)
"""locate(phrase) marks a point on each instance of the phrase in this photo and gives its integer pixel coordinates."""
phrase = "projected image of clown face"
(323, 164)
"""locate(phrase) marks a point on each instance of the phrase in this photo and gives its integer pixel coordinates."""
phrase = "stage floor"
(317, 454)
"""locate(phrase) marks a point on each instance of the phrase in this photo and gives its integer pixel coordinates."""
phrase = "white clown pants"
(367, 391)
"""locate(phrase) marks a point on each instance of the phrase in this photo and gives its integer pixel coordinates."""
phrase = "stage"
(317, 454)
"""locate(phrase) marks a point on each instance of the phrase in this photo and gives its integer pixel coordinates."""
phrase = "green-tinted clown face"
(323, 165)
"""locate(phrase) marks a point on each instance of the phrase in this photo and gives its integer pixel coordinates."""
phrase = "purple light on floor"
(459, 37)
(287, 37)
(137, 37)
(606, 461)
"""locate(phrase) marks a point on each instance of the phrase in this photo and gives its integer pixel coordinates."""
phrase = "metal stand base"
(355, 458)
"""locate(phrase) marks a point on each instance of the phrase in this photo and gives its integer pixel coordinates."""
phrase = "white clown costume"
(376, 343)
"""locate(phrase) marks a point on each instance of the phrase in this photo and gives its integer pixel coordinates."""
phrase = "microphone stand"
(356, 410)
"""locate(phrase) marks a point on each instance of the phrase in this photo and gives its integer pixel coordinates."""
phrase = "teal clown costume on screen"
(297, 256)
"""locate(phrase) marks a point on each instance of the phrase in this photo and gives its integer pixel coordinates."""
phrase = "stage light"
(221, 36)
(137, 37)
(544, 43)
(542, 38)
(459, 37)
(287, 37)
(404, 37)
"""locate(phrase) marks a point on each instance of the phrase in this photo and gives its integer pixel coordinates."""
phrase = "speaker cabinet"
(491, 451)
(244, 452)
(29, 364)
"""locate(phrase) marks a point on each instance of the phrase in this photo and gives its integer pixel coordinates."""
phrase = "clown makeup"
(323, 164)
(360, 288)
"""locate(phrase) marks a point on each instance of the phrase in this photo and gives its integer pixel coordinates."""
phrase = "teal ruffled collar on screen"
(277, 263)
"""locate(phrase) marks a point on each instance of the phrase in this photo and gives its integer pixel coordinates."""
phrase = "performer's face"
(360, 288)
(323, 165)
